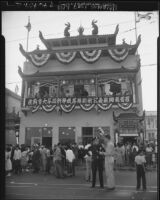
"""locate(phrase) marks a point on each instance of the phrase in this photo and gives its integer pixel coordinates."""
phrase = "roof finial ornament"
(123, 40)
(66, 30)
(95, 27)
(80, 30)
(37, 47)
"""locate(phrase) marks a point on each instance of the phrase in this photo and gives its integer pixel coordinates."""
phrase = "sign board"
(128, 124)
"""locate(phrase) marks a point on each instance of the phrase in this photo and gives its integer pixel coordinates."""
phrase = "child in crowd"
(140, 168)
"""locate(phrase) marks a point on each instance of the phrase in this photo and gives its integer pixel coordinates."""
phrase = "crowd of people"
(125, 154)
(62, 159)
(101, 154)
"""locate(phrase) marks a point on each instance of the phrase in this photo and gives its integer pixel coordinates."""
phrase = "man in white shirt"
(70, 159)
(134, 147)
(16, 159)
(140, 168)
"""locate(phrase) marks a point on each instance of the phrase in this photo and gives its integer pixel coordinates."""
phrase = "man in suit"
(97, 161)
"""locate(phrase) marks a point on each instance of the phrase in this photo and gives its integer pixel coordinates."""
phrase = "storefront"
(130, 128)
(74, 85)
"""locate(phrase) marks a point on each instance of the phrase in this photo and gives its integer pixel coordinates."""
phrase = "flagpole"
(28, 34)
(135, 28)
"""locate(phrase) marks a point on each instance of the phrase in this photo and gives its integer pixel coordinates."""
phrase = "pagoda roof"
(38, 74)
(128, 116)
(80, 40)
(87, 47)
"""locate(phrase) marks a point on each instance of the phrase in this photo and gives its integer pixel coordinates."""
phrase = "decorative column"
(133, 89)
(25, 93)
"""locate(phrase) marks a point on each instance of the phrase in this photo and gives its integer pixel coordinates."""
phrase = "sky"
(51, 23)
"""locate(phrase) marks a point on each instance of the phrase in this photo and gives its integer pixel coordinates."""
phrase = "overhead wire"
(55, 34)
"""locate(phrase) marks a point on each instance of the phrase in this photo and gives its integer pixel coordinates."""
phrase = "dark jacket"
(96, 149)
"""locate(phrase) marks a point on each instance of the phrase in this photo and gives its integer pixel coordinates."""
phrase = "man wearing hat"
(97, 161)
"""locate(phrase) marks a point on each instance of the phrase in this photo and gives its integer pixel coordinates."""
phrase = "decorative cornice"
(128, 116)
(89, 53)
(84, 72)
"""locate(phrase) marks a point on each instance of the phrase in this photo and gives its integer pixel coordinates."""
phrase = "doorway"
(129, 139)
(47, 142)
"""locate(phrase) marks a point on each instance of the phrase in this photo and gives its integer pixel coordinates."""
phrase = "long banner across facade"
(86, 104)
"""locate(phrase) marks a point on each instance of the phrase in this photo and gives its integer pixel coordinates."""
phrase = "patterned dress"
(8, 163)
(109, 164)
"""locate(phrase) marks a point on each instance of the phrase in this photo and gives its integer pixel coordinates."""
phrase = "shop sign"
(128, 124)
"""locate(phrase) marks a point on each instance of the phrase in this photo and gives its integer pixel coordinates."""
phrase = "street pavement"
(40, 186)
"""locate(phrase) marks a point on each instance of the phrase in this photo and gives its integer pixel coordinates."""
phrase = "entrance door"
(47, 141)
(129, 139)
(87, 135)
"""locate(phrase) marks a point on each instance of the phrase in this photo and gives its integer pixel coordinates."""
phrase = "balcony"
(85, 94)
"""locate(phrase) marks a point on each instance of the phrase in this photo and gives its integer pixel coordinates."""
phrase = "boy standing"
(140, 168)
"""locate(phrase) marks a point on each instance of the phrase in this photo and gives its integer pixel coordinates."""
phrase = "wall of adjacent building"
(151, 125)
(12, 103)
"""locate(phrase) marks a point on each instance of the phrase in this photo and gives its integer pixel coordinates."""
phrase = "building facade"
(151, 125)
(12, 109)
(77, 84)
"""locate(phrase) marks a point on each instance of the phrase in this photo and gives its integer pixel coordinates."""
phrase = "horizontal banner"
(70, 100)
(86, 104)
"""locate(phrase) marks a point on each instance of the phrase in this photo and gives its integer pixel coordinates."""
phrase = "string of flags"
(146, 16)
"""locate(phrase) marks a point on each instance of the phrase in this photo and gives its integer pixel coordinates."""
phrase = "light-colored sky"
(52, 26)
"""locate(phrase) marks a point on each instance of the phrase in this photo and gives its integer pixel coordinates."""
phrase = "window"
(87, 135)
(114, 87)
(42, 90)
(77, 88)
(66, 135)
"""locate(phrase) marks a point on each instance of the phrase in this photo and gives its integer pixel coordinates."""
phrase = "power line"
(14, 82)
(51, 20)
(148, 65)
(35, 37)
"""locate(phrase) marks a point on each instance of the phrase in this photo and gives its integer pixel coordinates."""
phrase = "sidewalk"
(124, 168)
(40, 186)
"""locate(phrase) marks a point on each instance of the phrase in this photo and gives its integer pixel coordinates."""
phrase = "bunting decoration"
(66, 57)
(125, 106)
(90, 56)
(118, 54)
(67, 108)
(39, 60)
(86, 107)
(143, 16)
(48, 108)
(104, 106)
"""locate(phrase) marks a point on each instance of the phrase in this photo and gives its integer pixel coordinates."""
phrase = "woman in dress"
(119, 156)
(8, 163)
(109, 160)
